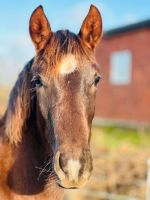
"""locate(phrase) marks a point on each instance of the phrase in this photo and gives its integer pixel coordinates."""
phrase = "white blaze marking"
(73, 167)
(68, 65)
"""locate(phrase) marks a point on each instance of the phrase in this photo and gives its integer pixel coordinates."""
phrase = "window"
(120, 67)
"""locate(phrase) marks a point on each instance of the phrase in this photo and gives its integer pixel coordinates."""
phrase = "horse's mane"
(18, 105)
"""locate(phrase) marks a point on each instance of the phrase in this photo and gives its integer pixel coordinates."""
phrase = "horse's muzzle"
(73, 173)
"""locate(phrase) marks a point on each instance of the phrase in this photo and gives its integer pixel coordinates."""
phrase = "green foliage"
(113, 137)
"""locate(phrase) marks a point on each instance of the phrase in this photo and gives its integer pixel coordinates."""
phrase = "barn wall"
(132, 101)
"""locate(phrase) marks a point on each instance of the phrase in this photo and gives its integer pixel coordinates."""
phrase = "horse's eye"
(37, 81)
(97, 79)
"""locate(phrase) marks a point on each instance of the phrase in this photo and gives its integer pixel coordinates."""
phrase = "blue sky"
(15, 45)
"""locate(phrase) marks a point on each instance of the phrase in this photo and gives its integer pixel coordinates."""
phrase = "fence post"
(148, 180)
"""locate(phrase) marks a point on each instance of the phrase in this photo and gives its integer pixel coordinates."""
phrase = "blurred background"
(121, 129)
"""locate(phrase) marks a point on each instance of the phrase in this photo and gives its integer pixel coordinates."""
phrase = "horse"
(46, 129)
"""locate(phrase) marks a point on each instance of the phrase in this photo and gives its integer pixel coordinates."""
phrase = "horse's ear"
(91, 29)
(39, 28)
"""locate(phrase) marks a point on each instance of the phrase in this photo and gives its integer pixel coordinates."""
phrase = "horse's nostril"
(61, 162)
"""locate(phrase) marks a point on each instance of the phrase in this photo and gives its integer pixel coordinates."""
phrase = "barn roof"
(128, 28)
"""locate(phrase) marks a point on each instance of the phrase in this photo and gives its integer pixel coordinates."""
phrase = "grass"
(4, 93)
(113, 137)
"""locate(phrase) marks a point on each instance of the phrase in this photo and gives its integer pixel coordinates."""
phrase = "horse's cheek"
(43, 102)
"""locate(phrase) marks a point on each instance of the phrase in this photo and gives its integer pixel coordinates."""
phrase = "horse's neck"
(31, 168)
(29, 155)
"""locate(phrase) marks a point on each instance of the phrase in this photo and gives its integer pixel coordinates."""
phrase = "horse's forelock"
(64, 43)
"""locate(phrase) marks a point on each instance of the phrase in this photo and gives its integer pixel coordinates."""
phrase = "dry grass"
(4, 93)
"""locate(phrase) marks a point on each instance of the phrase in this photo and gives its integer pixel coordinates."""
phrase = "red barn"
(124, 58)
